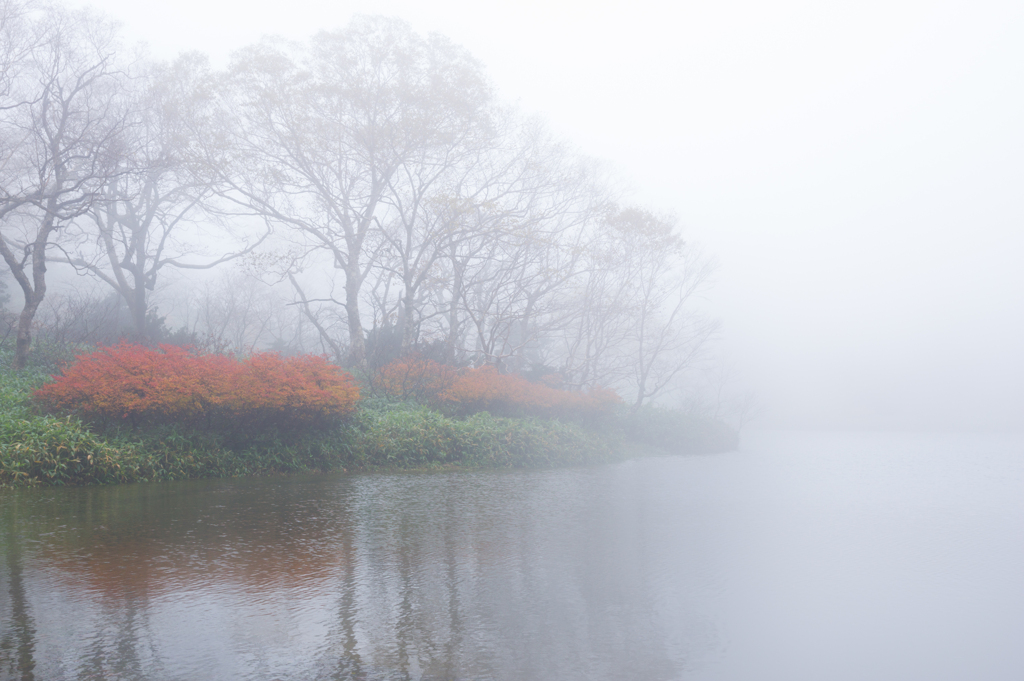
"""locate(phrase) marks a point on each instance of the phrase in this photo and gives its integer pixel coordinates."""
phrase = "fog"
(853, 167)
(855, 171)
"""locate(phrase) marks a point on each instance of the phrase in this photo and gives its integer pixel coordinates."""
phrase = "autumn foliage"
(485, 389)
(468, 391)
(415, 378)
(137, 384)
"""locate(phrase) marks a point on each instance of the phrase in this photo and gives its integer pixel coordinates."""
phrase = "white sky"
(856, 167)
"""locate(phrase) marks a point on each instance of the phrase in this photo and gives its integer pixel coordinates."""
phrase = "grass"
(45, 449)
(406, 435)
(40, 449)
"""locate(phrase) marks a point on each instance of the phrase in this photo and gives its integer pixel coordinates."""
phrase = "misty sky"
(857, 168)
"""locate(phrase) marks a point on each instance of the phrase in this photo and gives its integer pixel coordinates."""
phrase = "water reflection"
(18, 640)
(802, 558)
(448, 576)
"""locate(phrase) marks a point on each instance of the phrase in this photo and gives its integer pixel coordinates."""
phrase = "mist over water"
(802, 556)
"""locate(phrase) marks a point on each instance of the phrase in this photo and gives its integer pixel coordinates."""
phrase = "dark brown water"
(800, 557)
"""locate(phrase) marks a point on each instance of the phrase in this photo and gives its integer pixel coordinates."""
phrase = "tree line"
(370, 174)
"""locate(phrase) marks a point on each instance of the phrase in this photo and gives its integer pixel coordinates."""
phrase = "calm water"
(804, 556)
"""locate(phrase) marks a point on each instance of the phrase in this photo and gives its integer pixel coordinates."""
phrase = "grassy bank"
(382, 435)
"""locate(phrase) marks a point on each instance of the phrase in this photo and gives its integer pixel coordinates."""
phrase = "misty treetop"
(368, 180)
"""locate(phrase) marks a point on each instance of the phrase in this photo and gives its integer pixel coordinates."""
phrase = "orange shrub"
(172, 384)
(485, 389)
(305, 389)
(415, 378)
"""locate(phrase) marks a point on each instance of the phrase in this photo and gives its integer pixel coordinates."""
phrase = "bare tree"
(237, 313)
(427, 200)
(515, 298)
(493, 246)
(157, 210)
(639, 326)
(77, 316)
(62, 120)
(15, 47)
(326, 129)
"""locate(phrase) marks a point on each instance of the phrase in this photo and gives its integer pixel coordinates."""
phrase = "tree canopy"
(367, 181)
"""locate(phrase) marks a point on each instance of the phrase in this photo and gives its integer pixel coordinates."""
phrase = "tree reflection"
(119, 650)
(365, 578)
(17, 640)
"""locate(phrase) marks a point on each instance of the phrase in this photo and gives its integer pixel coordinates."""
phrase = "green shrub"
(408, 435)
(529, 443)
(47, 449)
(404, 434)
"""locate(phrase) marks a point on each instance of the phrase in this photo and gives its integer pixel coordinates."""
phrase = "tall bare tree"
(636, 325)
(156, 212)
(513, 291)
(474, 260)
(62, 120)
(324, 129)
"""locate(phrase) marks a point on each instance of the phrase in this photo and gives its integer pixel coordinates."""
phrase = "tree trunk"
(34, 291)
(25, 335)
(408, 327)
(24, 338)
(138, 305)
(137, 308)
(356, 341)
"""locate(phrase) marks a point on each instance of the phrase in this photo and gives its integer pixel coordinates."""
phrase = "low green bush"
(58, 451)
(48, 449)
(530, 443)
(406, 435)
(403, 435)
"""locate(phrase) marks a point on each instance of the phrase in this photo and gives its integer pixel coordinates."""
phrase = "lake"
(816, 556)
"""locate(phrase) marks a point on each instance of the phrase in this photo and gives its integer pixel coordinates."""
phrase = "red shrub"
(415, 378)
(304, 389)
(173, 384)
(484, 389)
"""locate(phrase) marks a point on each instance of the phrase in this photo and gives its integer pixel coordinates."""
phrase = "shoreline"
(382, 436)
